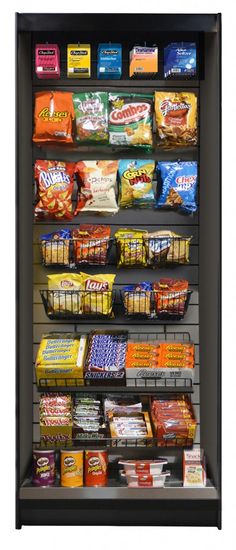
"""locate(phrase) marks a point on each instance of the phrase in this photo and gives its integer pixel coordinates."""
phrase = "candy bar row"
(96, 183)
(113, 357)
(122, 119)
(179, 60)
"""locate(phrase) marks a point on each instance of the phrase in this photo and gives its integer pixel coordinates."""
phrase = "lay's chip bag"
(63, 293)
(178, 182)
(135, 188)
(97, 295)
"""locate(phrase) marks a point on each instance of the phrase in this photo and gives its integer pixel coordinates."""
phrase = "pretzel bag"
(176, 118)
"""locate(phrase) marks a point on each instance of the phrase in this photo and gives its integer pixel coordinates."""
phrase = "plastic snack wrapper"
(97, 298)
(135, 188)
(170, 296)
(176, 118)
(56, 247)
(91, 114)
(178, 186)
(130, 119)
(91, 244)
(131, 249)
(96, 186)
(166, 246)
(137, 298)
(55, 181)
(65, 299)
(53, 117)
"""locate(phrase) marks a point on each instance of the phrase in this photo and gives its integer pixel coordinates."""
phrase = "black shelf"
(148, 390)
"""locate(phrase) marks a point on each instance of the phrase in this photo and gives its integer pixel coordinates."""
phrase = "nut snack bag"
(176, 118)
(55, 182)
(91, 114)
(66, 298)
(178, 186)
(130, 119)
(53, 116)
(97, 296)
(96, 186)
(135, 189)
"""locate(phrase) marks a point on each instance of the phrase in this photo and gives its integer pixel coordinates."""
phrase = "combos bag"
(130, 119)
(91, 114)
(135, 188)
(65, 297)
(176, 118)
(55, 182)
(91, 244)
(53, 116)
(130, 246)
(97, 295)
(96, 186)
(178, 186)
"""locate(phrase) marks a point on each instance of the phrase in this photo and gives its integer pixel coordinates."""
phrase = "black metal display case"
(116, 504)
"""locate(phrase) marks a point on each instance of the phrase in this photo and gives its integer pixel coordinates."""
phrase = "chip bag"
(135, 189)
(56, 247)
(178, 186)
(137, 299)
(66, 299)
(96, 186)
(130, 246)
(55, 182)
(166, 247)
(91, 244)
(176, 118)
(170, 296)
(53, 116)
(97, 295)
(130, 119)
(91, 114)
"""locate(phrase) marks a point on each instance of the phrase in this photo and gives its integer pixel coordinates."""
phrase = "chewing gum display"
(47, 61)
(109, 63)
(78, 60)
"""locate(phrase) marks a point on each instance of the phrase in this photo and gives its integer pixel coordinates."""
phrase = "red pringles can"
(96, 463)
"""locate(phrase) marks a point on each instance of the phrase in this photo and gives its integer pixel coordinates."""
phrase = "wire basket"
(76, 304)
(163, 305)
(75, 252)
(152, 251)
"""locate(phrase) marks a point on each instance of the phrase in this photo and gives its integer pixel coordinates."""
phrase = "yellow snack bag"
(131, 247)
(66, 298)
(97, 298)
(136, 189)
(176, 118)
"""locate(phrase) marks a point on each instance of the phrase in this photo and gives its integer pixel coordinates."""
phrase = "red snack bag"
(91, 243)
(53, 116)
(170, 296)
(55, 182)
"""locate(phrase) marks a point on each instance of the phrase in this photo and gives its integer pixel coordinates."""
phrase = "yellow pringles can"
(72, 468)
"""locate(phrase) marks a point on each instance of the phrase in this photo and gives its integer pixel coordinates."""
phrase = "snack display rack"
(195, 257)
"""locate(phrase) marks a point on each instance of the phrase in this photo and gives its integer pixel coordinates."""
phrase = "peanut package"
(176, 118)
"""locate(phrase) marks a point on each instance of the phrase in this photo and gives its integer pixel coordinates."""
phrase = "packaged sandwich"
(91, 244)
(97, 295)
(130, 119)
(91, 114)
(55, 182)
(135, 187)
(130, 247)
(53, 117)
(178, 187)
(176, 118)
(65, 296)
(55, 247)
(96, 186)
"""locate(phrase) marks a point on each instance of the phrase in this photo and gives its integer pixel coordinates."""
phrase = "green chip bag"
(91, 115)
(130, 119)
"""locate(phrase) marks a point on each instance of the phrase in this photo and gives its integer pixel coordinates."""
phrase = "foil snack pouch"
(97, 298)
(130, 119)
(66, 298)
(176, 118)
(53, 116)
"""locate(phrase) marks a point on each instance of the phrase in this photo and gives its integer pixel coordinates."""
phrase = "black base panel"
(188, 513)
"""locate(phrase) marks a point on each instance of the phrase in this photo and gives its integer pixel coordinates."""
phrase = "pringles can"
(72, 468)
(96, 463)
(43, 468)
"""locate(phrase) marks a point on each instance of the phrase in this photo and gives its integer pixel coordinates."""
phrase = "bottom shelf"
(173, 490)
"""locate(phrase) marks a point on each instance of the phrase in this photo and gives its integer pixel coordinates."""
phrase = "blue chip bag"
(180, 59)
(178, 186)
(138, 287)
(56, 235)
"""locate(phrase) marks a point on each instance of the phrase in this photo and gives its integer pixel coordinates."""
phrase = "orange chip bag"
(55, 182)
(53, 116)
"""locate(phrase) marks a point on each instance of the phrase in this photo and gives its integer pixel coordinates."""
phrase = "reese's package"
(55, 181)
(178, 186)
(91, 115)
(176, 118)
(135, 187)
(97, 295)
(53, 117)
(130, 119)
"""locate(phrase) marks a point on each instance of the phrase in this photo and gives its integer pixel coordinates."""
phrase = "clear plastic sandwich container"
(147, 480)
(144, 467)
